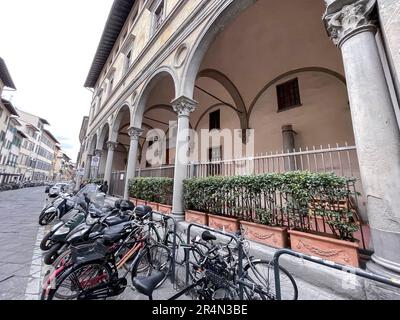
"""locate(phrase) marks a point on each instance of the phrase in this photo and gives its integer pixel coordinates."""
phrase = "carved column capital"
(135, 133)
(111, 145)
(184, 106)
(345, 18)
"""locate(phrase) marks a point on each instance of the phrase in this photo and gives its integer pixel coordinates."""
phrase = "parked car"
(55, 190)
(48, 187)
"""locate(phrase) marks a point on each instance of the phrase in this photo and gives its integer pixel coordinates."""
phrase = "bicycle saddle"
(146, 285)
(207, 236)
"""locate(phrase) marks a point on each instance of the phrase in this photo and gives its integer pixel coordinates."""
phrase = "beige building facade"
(299, 93)
(10, 135)
(38, 149)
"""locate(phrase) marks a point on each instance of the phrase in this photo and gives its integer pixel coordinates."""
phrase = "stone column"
(135, 134)
(88, 166)
(183, 106)
(111, 145)
(351, 25)
(98, 153)
(288, 135)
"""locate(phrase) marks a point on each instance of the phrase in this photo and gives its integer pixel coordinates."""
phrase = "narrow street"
(20, 262)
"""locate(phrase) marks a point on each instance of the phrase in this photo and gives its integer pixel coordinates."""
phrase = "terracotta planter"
(134, 201)
(196, 217)
(223, 223)
(141, 202)
(153, 205)
(339, 251)
(164, 209)
(271, 236)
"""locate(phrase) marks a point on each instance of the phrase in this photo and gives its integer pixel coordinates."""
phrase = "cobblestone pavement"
(20, 259)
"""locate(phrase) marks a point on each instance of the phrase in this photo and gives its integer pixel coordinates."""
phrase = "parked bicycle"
(215, 274)
(91, 271)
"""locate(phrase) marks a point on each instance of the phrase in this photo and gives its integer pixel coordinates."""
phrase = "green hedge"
(276, 199)
(152, 189)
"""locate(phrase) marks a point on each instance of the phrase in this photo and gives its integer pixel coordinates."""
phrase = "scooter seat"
(114, 220)
(146, 285)
(114, 233)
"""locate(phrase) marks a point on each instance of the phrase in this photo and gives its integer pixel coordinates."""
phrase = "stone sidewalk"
(20, 257)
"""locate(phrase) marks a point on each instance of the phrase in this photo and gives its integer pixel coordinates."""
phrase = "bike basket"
(88, 252)
(217, 280)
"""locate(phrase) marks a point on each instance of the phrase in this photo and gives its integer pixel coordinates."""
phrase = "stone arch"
(215, 25)
(212, 107)
(104, 135)
(332, 73)
(151, 82)
(92, 143)
(230, 87)
(117, 119)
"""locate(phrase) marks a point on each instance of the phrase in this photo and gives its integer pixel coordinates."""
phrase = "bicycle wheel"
(153, 258)
(261, 272)
(169, 242)
(77, 279)
(155, 234)
(196, 257)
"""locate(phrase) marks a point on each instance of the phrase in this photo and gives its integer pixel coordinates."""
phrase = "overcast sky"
(48, 46)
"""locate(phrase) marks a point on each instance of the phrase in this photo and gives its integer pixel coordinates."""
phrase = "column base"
(178, 216)
(378, 291)
(387, 252)
(383, 267)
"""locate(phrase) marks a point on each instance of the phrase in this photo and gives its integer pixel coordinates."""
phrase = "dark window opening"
(159, 15)
(288, 94)
(215, 120)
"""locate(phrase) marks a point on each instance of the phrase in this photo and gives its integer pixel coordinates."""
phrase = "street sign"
(95, 161)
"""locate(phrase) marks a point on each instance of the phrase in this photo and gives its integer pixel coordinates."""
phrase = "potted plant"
(264, 232)
(198, 217)
(140, 202)
(325, 247)
(224, 223)
(164, 208)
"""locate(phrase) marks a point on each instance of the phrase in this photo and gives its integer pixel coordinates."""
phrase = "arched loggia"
(102, 149)
(117, 153)
(239, 105)
(154, 100)
(90, 171)
(220, 18)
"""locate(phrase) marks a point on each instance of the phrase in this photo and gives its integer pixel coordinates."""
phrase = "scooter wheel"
(46, 218)
(52, 254)
(46, 244)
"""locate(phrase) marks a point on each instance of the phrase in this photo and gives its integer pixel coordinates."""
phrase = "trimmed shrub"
(289, 199)
(152, 189)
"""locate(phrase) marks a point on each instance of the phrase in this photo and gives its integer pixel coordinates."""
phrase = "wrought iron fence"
(157, 172)
(341, 160)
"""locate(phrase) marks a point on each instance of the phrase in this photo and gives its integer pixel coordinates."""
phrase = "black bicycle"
(92, 272)
(217, 273)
